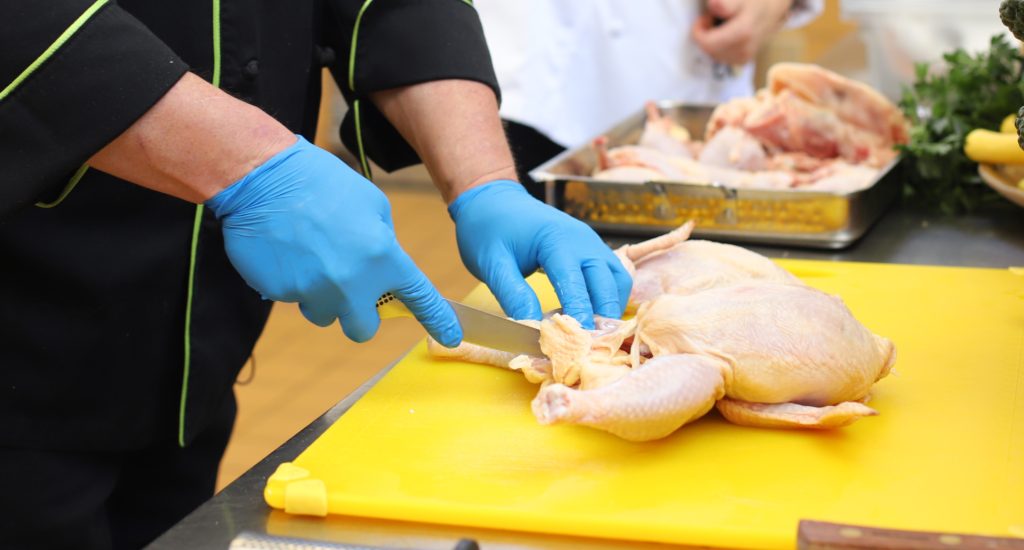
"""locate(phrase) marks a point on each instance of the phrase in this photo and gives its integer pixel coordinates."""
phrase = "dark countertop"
(993, 237)
(990, 238)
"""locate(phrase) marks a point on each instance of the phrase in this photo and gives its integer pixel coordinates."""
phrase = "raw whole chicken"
(715, 326)
(809, 129)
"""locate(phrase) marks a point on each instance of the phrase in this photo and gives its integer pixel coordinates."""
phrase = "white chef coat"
(573, 68)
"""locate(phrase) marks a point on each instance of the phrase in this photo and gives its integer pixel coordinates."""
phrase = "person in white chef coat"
(570, 69)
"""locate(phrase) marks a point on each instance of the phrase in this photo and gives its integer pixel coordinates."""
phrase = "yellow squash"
(1009, 124)
(986, 146)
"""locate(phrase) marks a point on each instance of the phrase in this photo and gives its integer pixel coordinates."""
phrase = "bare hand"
(748, 25)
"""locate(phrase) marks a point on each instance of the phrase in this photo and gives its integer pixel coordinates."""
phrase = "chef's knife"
(247, 540)
(478, 327)
(820, 535)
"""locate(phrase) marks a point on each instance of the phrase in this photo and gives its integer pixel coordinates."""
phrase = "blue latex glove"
(504, 234)
(304, 227)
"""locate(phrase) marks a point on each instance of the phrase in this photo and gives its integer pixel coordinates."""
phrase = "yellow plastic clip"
(389, 307)
(292, 489)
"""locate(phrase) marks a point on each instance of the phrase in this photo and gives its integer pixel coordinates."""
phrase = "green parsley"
(977, 91)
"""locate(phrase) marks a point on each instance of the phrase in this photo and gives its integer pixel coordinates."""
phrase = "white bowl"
(1004, 180)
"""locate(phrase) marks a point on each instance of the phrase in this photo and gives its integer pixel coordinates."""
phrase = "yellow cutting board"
(455, 443)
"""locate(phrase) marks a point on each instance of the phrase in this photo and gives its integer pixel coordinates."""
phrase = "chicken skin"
(769, 354)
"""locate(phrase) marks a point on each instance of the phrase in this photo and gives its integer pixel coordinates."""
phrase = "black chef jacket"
(95, 291)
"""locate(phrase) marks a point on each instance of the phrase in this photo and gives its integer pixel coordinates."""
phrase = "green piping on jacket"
(67, 188)
(64, 37)
(363, 162)
(352, 51)
(216, 44)
(196, 224)
(197, 221)
(359, 142)
(355, 40)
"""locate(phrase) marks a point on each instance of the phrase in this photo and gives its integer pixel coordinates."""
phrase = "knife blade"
(478, 326)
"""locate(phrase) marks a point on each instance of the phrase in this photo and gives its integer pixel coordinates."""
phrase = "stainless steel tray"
(806, 218)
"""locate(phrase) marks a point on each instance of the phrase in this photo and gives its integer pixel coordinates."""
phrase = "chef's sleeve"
(387, 44)
(74, 74)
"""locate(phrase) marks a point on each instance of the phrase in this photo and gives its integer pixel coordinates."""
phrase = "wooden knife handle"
(819, 535)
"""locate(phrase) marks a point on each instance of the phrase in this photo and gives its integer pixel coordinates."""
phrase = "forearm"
(195, 141)
(454, 127)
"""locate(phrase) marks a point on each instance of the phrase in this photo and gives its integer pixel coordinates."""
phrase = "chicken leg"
(650, 402)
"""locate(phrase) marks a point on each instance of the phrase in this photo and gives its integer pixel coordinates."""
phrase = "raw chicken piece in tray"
(853, 102)
(734, 148)
(636, 163)
(809, 129)
(664, 135)
(715, 326)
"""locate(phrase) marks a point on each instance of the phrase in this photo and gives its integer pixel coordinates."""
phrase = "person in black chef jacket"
(158, 193)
